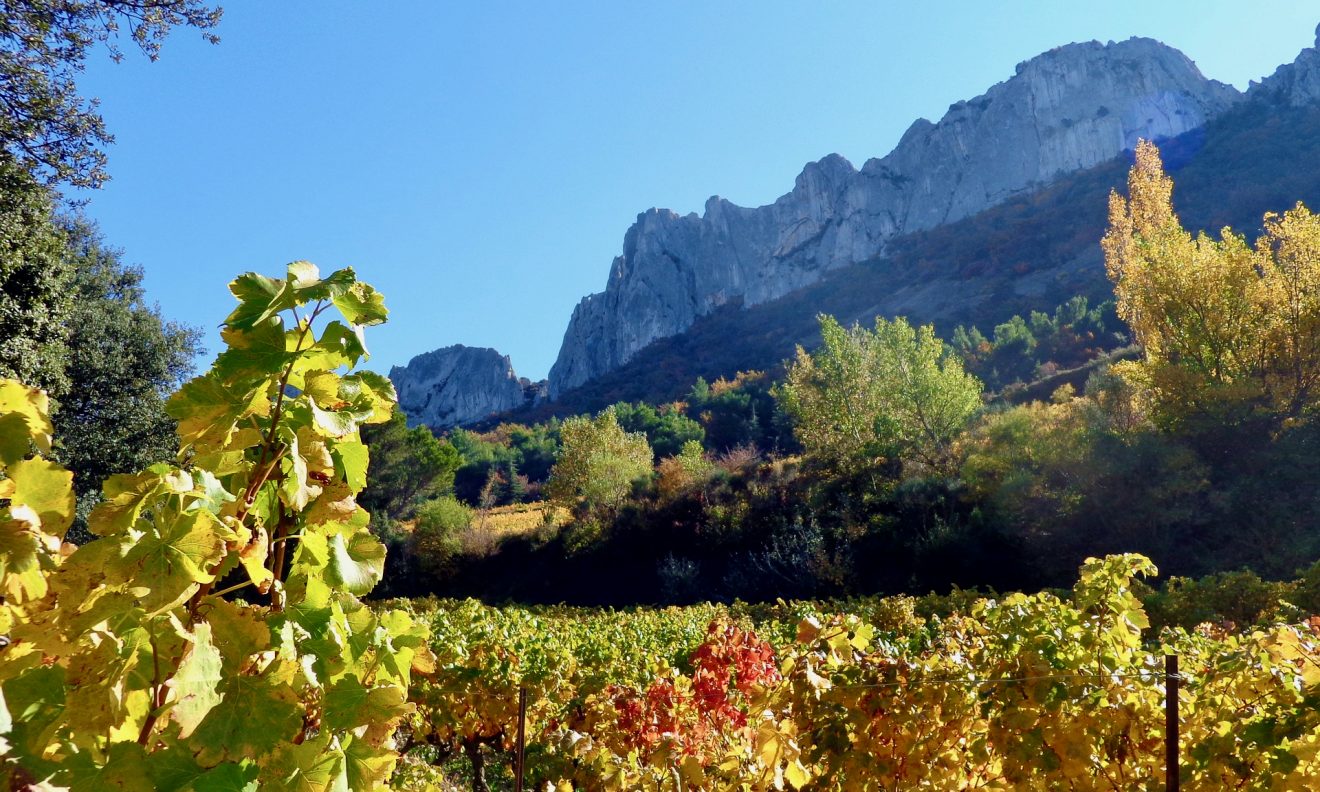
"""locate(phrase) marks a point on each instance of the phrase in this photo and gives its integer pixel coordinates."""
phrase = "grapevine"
(211, 637)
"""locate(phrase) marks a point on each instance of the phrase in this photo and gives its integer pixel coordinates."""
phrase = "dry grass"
(487, 530)
(483, 535)
(520, 518)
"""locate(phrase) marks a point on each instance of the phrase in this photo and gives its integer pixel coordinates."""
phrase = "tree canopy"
(46, 125)
(598, 461)
(666, 429)
(1228, 328)
(409, 466)
(34, 284)
(892, 393)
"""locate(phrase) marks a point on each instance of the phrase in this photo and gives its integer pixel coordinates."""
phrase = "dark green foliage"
(408, 466)
(515, 483)
(44, 124)
(123, 361)
(666, 429)
(741, 412)
(529, 450)
(1012, 358)
(1022, 350)
(35, 276)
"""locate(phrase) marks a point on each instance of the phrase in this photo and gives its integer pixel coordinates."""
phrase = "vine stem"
(145, 735)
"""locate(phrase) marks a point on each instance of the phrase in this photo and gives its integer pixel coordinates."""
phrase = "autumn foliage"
(1230, 329)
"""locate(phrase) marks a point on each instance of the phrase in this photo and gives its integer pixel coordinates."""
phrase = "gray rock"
(458, 385)
(1068, 109)
(1297, 83)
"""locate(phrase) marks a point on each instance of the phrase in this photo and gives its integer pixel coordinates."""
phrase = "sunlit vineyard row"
(1022, 692)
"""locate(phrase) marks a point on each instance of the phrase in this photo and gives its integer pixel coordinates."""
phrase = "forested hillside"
(1051, 456)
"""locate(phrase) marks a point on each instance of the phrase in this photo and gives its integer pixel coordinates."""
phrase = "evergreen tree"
(35, 277)
(123, 361)
(515, 484)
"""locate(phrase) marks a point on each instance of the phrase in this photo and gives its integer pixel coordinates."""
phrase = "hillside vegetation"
(849, 471)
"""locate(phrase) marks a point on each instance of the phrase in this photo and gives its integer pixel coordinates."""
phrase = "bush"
(437, 536)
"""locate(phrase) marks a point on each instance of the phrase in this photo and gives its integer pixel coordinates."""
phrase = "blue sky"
(479, 163)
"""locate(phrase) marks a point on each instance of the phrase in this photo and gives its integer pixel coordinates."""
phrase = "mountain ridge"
(676, 269)
(1069, 108)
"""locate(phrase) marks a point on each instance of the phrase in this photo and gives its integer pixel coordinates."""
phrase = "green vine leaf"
(196, 680)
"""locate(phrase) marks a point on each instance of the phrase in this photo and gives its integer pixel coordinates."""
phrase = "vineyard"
(1023, 692)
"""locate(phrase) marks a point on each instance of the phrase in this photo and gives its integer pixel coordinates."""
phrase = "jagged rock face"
(457, 385)
(1068, 109)
(1297, 83)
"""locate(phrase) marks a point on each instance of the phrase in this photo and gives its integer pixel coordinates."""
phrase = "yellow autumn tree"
(1228, 328)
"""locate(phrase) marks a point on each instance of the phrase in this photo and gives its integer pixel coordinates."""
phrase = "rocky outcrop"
(1295, 84)
(1068, 109)
(458, 385)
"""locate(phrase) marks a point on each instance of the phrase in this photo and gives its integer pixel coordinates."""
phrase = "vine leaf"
(253, 718)
(361, 305)
(315, 766)
(196, 681)
(367, 766)
(21, 576)
(350, 704)
(357, 564)
(29, 407)
(47, 489)
(171, 558)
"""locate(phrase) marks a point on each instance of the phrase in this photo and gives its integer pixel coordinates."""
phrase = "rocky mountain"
(458, 385)
(1297, 83)
(1029, 253)
(1066, 110)
(994, 210)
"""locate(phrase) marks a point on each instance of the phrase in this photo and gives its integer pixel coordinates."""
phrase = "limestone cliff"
(458, 385)
(1065, 110)
(1296, 83)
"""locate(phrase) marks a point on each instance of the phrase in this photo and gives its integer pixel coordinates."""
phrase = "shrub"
(437, 536)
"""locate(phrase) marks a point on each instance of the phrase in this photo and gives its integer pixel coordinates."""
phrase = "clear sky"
(480, 162)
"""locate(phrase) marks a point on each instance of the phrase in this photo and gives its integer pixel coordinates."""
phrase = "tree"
(408, 466)
(436, 538)
(123, 361)
(1013, 359)
(34, 284)
(894, 393)
(515, 483)
(740, 412)
(681, 472)
(1228, 329)
(45, 125)
(531, 449)
(598, 462)
(666, 429)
